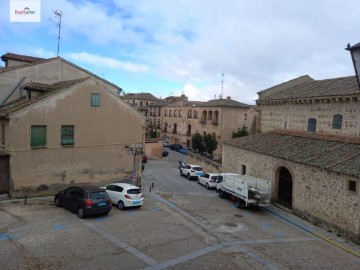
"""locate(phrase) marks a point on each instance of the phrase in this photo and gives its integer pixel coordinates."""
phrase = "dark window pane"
(134, 191)
(311, 125)
(337, 121)
(98, 195)
(95, 100)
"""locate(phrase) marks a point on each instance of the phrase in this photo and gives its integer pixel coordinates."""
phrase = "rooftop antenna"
(58, 24)
(222, 84)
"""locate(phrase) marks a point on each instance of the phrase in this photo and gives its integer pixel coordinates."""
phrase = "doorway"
(285, 188)
(4, 175)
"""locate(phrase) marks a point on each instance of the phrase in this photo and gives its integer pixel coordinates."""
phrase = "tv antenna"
(58, 24)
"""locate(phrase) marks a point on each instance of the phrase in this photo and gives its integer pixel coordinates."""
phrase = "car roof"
(89, 188)
(124, 185)
(194, 165)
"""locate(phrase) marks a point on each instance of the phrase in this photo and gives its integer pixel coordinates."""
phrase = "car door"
(65, 197)
(204, 178)
(118, 195)
(110, 190)
(75, 199)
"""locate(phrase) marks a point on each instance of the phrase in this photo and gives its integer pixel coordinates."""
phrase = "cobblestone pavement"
(181, 226)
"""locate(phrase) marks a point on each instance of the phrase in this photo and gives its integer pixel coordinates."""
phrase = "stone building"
(309, 148)
(178, 119)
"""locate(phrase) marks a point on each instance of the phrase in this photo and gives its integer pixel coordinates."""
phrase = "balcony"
(215, 122)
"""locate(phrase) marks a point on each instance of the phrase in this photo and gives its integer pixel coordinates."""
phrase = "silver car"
(209, 180)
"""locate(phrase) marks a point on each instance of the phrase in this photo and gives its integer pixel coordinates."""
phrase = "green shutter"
(67, 135)
(95, 100)
(38, 136)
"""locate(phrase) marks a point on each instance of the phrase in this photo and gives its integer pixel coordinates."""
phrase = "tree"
(197, 142)
(240, 133)
(153, 134)
(210, 143)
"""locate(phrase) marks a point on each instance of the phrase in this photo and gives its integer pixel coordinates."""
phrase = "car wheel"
(188, 176)
(221, 194)
(181, 174)
(80, 213)
(239, 203)
(57, 202)
(207, 186)
(121, 205)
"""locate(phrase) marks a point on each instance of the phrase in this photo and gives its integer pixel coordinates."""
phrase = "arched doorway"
(285, 188)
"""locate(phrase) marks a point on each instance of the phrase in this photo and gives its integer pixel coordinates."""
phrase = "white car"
(209, 180)
(191, 171)
(124, 195)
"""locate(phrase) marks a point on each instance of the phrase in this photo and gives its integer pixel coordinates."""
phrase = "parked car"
(84, 200)
(165, 153)
(124, 195)
(209, 180)
(191, 171)
(175, 147)
(184, 150)
(166, 144)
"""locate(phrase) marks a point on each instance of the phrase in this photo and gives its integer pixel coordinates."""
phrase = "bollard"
(150, 189)
(25, 199)
(152, 185)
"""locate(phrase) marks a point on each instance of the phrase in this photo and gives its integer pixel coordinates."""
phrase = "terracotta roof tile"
(19, 57)
(224, 103)
(145, 96)
(345, 86)
(334, 153)
(46, 89)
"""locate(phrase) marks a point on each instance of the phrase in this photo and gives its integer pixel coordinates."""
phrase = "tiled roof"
(345, 86)
(19, 57)
(334, 153)
(47, 89)
(144, 96)
(224, 103)
(158, 103)
(60, 59)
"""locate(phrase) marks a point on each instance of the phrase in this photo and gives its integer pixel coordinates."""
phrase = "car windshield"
(98, 195)
(197, 169)
(214, 177)
(134, 191)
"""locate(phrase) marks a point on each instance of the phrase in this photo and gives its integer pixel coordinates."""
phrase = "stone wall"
(295, 117)
(319, 195)
(208, 166)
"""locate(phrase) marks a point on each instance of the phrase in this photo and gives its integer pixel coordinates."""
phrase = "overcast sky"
(169, 47)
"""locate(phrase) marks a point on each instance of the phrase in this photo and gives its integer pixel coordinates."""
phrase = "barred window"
(311, 125)
(337, 121)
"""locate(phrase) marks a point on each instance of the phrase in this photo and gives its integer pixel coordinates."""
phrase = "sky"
(174, 47)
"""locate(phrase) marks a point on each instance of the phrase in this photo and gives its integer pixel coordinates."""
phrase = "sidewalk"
(323, 234)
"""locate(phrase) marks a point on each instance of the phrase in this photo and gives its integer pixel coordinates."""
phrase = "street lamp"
(355, 56)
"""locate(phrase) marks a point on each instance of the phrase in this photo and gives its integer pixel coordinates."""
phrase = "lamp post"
(355, 56)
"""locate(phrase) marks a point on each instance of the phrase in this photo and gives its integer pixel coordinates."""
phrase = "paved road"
(181, 226)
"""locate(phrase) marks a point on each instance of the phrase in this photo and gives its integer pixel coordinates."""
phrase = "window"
(95, 100)
(141, 103)
(311, 125)
(195, 114)
(243, 169)
(38, 136)
(337, 121)
(180, 113)
(189, 114)
(245, 116)
(175, 113)
(3, 133)
(165, 113)
(352, 186)
(170, 113)
(67, 135)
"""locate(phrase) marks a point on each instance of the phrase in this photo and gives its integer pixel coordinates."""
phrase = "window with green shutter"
(95, 100)
(38, 136)
(67, 135)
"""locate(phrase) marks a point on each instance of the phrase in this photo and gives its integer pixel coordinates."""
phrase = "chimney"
(228, 97)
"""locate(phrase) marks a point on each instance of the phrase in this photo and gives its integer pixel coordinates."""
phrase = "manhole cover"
(238, 215)
(230, 225)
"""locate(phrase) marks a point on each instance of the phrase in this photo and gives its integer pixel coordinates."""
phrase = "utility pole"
(58, 24)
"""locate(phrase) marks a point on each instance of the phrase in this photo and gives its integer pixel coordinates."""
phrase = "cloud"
(106, 62)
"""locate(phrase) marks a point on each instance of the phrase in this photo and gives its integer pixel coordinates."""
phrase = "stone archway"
(285, 188)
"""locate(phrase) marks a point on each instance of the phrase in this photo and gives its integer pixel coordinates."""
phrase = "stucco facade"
(103, 136)
(319, 195)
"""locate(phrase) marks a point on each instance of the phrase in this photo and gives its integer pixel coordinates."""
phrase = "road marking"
(121, 244)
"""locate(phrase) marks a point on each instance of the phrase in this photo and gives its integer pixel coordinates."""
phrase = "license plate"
(101, 204)
(136, 202)
(198, 173)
